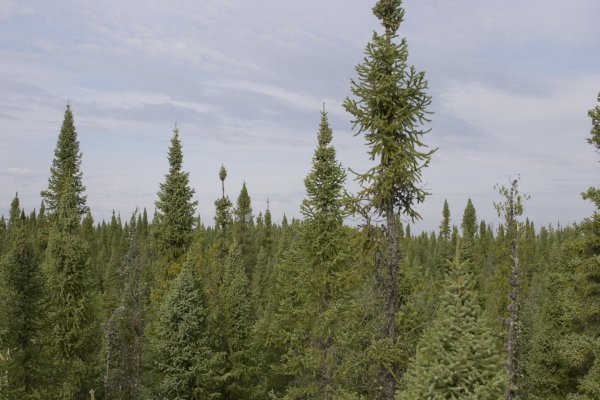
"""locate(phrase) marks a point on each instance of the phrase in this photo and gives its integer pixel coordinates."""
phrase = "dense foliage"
(250, 308)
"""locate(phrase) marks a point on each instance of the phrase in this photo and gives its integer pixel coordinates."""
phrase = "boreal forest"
(343, 303)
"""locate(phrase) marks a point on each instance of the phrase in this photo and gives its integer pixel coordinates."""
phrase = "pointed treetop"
(175, 152)
(390, 13)
(325, 133)
(66, 167)
(15, 209)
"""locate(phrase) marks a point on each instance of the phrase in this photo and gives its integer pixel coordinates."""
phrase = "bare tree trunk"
(512, 361)
(390, 288)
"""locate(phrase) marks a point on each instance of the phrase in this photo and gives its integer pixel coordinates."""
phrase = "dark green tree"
(175, 209)
(243, 229)
(316, 357)
(235, 324)
(21, 314)
(469, 222)
(445, 225)
(70, 302)
(66, 167)
(390, 108)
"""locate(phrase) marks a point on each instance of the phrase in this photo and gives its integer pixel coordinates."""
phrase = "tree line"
(173, 307)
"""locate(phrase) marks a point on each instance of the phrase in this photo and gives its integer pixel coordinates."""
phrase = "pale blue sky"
(511, 83)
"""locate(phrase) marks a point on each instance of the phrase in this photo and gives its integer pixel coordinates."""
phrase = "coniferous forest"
(163, 305)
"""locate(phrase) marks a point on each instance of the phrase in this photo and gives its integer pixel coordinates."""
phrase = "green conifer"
(445, 225)
(190, 369)
(175, 210)
(66, 167)
(70, 300)
(21, 315)
(456, 357)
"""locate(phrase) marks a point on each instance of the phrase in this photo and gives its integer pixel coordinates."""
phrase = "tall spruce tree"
(510, 209)
(66, 166)
(456, 357)
(243, 229)
(390, 109)
(70, 301)
(175, 210)
(445, 225)
(314, 359)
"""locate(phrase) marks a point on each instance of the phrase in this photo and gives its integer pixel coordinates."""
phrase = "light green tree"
(390, 109)
(456, 357)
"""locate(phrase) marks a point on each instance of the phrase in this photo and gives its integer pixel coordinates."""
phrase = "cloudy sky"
(244, 81)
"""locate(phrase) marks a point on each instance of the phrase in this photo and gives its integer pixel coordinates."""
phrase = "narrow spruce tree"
(236, 324)
(68, 285)
(316, 358)
(510, 209)
(70, 301)
(189, 368)
(390, 109)
(469, 229)
(175, 209)
(66, 166)
(243, 229)
(456, 357)
(469, 222)
(223, 217)
(445, 225)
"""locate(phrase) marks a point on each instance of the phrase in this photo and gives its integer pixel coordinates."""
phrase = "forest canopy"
(163, 305)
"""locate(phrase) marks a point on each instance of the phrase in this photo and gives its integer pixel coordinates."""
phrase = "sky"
(244, 81)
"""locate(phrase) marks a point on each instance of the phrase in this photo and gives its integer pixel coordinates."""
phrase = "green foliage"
(189, 367)
(66, 167)
(236, 323)
(445, 225)
(456, 357)
(70, 302)
(390, 109)
(175, 214)
(21, 316)
(469, 222)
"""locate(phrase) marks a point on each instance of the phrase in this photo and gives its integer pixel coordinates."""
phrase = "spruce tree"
(390, 109)
(175, 210)
(469, 222)
(243, 229)
(190, 369)
(223, 214)
(66, 168)
(125, 325)
(456, 357)
(511, 209)
(445, 225)
(68, 283)
(469, 230)
(70, 301)
(235, 324)
(326, 281)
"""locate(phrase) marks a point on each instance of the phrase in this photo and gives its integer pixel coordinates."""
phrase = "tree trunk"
(390, 288)
(512, 361)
